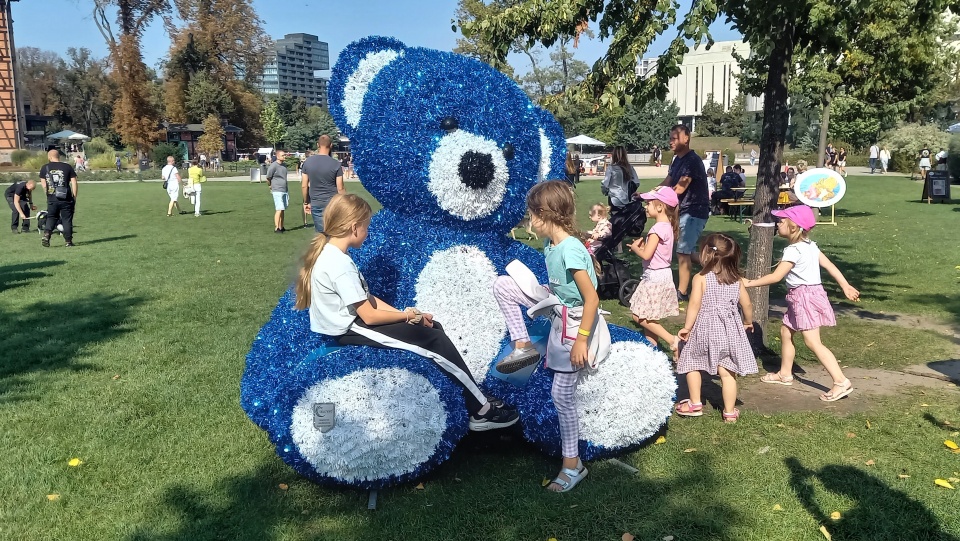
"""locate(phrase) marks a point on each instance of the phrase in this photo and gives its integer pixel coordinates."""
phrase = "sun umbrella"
(585, 140)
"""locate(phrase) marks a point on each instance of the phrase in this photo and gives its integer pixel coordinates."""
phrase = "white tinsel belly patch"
(388, 422)
(628, 398)
(456, 286)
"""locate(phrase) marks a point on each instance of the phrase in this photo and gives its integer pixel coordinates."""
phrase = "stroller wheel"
(626, 291)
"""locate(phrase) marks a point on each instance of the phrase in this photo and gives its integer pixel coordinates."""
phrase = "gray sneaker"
(518, 359)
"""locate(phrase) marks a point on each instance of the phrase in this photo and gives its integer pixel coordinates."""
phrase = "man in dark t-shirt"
(19, 197)
(59, 182)
(321, 179)
(688, 178)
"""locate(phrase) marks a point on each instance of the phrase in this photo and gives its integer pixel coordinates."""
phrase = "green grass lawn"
(126, 352)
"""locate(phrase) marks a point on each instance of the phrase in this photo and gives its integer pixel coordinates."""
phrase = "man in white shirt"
(942, 160)
(874, 155)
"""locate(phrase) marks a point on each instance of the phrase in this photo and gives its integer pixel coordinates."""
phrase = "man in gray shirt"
(277, 182)
(322, 178)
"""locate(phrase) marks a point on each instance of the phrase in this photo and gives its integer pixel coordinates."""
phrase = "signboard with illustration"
(820, 187)
(936, 188)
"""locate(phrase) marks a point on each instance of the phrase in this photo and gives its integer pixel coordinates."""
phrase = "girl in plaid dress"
(808, 307)
(714, 335)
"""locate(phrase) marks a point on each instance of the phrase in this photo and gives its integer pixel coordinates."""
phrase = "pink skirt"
(808, 308)
(655, 297)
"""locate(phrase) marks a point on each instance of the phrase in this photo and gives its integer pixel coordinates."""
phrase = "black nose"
(476, 170)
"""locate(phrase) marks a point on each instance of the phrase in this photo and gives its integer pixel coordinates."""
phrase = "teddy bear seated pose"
(450, 147)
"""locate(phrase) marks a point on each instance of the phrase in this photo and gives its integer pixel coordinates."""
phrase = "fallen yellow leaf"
(627, 536)
(116, 377)
(903, 476)
(660, 440)
(851, 435)
(777, 507)
(668, 538)
(74, 462)
(552, 539)
(951, 445)
(870, 344)
(835, 515)
(283, 486)
(690, 450)
(871, 462)
(954, 480)
(419, 486)
(53, 497)
(924, 405)
(825, 533)
(868, 423)
(943, 483)
(545, 482)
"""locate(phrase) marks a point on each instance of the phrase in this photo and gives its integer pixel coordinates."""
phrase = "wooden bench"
(742, 203)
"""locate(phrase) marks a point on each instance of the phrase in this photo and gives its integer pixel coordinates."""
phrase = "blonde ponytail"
(340, 215)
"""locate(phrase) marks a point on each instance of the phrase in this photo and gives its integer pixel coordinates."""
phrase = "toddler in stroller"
(614, 280)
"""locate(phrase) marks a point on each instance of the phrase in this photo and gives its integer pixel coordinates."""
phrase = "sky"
(423, 23)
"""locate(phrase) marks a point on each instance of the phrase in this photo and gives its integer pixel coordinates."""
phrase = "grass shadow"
(212, 212)
(949, 302)
(463, 499)
(942, 425)
(844, 213)
(879, 512)
(107, 239)
(48, 337)
(13, 276)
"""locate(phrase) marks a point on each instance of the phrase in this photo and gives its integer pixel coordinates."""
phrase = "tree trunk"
(824, 127)
(776, 118)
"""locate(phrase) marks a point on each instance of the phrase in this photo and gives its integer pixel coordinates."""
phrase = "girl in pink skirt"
(656, 296)
(715, 336)
(808, 308)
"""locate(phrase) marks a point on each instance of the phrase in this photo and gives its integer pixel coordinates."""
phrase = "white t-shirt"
(169, 174)
(335, 286)
(874, 152)
(805, 256)
(941, 155)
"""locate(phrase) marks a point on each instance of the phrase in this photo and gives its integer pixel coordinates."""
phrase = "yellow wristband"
(582, 332)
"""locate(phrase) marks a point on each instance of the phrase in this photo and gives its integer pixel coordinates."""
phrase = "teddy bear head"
(441, 137)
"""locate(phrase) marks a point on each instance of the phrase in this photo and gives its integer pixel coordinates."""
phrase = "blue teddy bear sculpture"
(450, 147)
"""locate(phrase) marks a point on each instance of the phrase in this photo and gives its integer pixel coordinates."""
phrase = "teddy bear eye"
(449, 124)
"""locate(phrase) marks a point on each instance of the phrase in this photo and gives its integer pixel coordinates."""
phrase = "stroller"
(614, 281)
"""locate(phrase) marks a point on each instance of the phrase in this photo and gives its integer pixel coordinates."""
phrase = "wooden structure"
(11, 112)
(187, 135)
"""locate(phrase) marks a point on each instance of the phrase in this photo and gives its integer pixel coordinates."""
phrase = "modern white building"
(292, 67)
(704, 72)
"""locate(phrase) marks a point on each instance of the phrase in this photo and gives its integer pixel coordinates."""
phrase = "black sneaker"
(45, 242)
(518, 359)
(493, 419)
(494, 401)
(681, 297)
(69, 245)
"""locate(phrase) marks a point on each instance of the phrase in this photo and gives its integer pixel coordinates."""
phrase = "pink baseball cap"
(801, 215)
(664, 194)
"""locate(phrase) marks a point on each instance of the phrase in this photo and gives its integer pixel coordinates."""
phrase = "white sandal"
(575, 477)
(845, 389)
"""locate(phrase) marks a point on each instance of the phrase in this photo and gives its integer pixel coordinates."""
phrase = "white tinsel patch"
(456, 286)
(388, 422)
(359, 81)
(545, 155)
(628, 398)
(446, 185)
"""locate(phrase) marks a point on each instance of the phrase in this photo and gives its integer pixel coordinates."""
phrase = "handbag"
(167, 180)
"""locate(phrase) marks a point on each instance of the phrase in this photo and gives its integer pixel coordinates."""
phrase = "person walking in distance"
(277, 182)
(195, 184)
(171, 177)
(19, 196)
(118, 162)
(59, 182)
(884, 159)
(874, 156)
(688, 178)
(322, 178)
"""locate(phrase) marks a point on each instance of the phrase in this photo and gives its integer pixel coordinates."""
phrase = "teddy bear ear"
(553, 148)
(356, 68)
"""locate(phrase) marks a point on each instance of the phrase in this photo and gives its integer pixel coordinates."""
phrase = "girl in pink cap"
(808, 308)
(656, 296)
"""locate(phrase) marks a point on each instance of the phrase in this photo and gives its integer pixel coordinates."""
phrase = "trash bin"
(144, 164)
(254, 174)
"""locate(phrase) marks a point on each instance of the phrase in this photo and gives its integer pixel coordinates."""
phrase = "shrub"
(103, 161)
(18, 157)
(96, 147)
(907, 140)
(35, 162)
(953, 157)
(159, 153)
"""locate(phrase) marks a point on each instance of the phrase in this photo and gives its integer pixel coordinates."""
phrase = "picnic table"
(744, 202)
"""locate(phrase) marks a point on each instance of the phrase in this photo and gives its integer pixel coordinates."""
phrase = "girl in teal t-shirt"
(573, 279)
